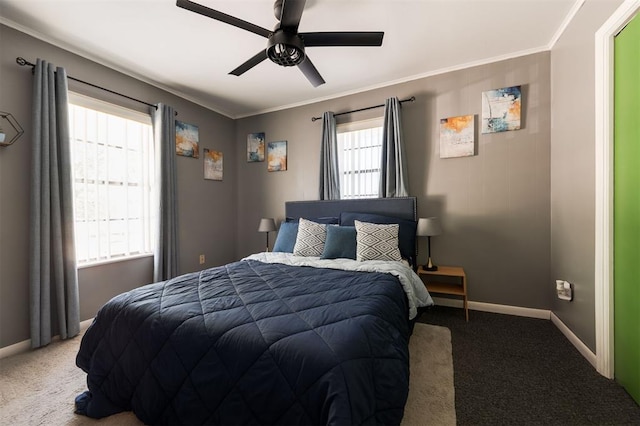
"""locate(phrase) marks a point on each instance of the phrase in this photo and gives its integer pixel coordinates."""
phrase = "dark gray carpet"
(522, 371)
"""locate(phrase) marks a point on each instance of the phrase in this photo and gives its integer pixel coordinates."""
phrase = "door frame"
(604, 184)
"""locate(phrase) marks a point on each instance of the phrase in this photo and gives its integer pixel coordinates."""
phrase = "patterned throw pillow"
(377, 242)
(310, 239)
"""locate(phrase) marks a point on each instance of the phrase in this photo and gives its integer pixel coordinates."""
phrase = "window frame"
(353, 126)
(101, 106)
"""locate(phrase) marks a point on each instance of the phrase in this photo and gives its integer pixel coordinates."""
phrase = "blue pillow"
(406, 232)
(340, 243)
(286, 239)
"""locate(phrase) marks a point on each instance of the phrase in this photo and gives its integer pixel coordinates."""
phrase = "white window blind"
(112, 162)
(359, 145)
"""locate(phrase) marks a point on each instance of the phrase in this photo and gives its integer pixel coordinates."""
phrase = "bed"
(276, 338)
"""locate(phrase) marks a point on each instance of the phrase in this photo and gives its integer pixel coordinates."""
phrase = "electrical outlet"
(564, 290)
(202, 259)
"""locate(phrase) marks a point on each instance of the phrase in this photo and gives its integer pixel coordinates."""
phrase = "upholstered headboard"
(404, 207)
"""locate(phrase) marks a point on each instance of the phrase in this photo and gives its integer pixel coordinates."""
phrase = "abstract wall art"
(501, 109)
(277, 156)
(187, 140)
(255, 147)
(213, 166)
(457, 136)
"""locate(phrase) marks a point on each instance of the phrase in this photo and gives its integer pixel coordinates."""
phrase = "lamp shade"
(428, 227)
(267, 225)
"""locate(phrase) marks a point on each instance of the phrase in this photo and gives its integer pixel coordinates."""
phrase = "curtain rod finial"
(23, 62)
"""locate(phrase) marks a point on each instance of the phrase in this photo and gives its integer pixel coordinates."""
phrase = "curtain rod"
(23, 62)
(411, 99)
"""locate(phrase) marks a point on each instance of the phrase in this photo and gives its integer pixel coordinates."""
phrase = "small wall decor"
(213, 166)
(457, 136)
(187, 140)
(501, 109)
(277, 156)
(255, 147)
(10, 129)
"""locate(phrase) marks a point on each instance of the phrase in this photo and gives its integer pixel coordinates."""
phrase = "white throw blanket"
(417, 293)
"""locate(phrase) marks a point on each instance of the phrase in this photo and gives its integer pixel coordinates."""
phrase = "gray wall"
(494, 206)
(573, 166)
(516, 216)
(207, 217)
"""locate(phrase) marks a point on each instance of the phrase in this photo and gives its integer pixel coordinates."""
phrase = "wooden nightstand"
(430, 279)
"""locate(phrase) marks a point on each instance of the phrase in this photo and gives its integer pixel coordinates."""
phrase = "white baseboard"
(524, 312)
(16, 348)
(510, 310)
(495, 308)
(581, 347)
(25, 345)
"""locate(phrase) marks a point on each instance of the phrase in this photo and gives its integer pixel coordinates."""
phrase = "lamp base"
(430, 266)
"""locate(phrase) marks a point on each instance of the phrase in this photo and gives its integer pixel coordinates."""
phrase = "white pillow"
(377, 242)
(310, 239)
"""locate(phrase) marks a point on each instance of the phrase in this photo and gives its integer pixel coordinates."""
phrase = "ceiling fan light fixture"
(285, 49)
(285, 55)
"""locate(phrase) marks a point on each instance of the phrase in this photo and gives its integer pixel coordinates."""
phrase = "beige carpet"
(39, 387)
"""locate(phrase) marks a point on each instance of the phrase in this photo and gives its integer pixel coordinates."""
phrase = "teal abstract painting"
(501, 109)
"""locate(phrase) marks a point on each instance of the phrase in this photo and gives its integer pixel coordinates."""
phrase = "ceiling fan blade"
(222, 17)
(348, 38)
(255, 60)
(310, 71)
(291, 13)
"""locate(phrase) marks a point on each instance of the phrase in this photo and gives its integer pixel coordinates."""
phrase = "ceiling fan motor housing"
(285, 48)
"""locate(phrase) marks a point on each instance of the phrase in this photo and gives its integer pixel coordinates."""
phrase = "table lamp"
(267, 225)
(429, 227)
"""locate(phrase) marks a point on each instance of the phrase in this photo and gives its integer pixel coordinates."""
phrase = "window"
(359, 148)
(112, 160)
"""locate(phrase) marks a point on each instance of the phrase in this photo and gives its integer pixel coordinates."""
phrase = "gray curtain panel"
(394, 180)
(53, 277)
(329, 173)
(165, 264)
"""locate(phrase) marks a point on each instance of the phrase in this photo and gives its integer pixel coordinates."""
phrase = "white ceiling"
(191, 55)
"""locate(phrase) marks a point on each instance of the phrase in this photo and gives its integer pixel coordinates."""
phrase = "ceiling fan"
(285, 45)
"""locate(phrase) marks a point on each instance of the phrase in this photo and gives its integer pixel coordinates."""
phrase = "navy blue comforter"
(252, 343)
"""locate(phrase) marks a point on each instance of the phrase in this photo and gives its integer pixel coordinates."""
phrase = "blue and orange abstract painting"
(277, 156)
(501, 109)
(187, 140)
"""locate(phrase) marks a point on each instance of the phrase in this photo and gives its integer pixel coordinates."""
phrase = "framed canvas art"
(457, 136)
(277, 156)
(213, 166)
(187, 140)
(255, 147)
(501, 109)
